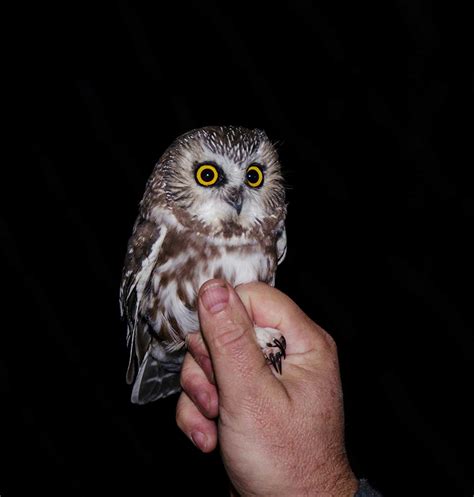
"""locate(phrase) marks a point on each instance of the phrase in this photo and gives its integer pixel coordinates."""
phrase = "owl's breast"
(184, 265)
(240, 264)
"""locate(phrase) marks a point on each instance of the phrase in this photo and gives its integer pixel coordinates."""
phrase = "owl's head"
(226, 180)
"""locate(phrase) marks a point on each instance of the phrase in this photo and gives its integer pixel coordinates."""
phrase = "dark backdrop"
(371, 107)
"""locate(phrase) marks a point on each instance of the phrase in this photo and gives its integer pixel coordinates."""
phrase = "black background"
(371, 107)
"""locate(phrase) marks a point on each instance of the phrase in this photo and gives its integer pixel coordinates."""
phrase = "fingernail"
(204, 400)
(199, 439)
(215, 298)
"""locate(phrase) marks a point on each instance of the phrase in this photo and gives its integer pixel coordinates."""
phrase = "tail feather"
(156, 379)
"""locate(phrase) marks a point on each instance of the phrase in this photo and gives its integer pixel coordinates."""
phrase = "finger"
(268, 307)
(197, 348)
(230, 337)
(200, 430)
(196, 385)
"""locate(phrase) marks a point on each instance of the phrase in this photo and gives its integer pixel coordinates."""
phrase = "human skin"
(278, 434)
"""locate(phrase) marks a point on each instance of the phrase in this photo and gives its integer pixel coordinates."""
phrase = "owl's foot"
(273, 347)
(275, 358)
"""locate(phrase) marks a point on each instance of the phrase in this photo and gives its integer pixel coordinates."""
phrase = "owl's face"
(223, 178)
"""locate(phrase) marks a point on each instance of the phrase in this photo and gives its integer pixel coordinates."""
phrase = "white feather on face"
(195, 229)
(210, 205)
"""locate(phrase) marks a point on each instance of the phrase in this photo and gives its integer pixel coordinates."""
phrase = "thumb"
(238, 362)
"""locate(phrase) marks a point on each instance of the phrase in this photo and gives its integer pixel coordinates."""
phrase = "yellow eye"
(254, 176)
(207, 175)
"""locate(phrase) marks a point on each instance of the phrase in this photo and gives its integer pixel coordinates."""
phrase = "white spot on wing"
(144, 274)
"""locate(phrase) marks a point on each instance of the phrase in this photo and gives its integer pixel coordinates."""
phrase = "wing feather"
(142, 252)
(281, 245)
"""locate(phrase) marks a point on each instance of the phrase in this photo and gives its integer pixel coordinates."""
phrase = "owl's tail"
(158, 376)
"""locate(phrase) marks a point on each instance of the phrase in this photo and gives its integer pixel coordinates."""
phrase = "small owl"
(214, 207)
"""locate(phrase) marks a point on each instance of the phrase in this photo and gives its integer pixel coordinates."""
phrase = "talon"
(272, 359)
(281, 344)
(279, 363)
(276, 358)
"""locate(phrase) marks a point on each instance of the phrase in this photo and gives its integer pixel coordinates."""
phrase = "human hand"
(278, 434)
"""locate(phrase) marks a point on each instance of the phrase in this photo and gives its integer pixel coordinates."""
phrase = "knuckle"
(195, 343)
(180, 415)
(189, 380)
(230, 337)
(331, 343)
(328, 342)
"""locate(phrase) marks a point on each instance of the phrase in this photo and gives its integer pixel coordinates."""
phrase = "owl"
(214, 207)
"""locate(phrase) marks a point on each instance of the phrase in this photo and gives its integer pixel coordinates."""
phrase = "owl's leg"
(273, 345)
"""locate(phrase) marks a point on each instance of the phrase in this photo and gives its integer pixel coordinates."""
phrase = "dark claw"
(279, 363)
(281, 344)
(275, 359)
(271, 358)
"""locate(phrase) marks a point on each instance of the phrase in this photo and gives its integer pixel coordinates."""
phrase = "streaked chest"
(182, 266)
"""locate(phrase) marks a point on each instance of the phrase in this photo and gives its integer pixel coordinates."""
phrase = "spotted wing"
(142, 251)
(281, 244)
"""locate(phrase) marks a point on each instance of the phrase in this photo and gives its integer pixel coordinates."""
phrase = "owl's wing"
(281, 244)
(142, 251)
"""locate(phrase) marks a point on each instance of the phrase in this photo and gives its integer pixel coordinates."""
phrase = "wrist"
(344, 484)
(330, 480)
(338, 481)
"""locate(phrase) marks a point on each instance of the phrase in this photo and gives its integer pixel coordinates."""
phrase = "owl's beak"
(236, 199)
